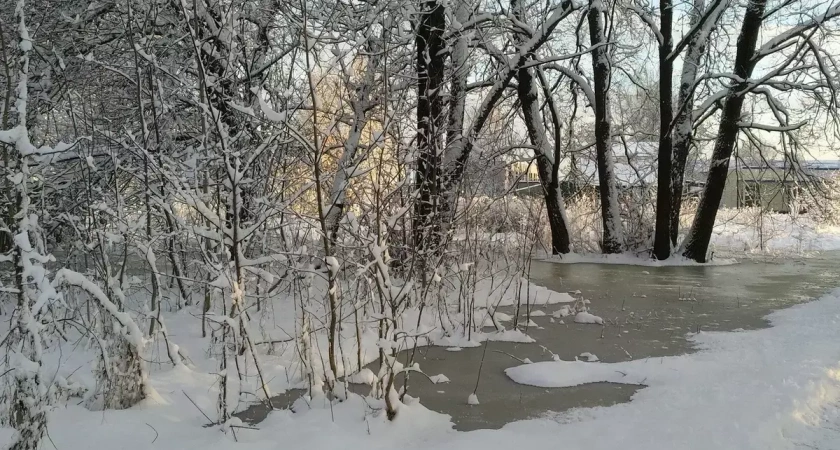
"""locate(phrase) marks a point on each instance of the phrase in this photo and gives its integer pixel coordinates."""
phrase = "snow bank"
(745, 230)
(631, 259)
(364, 376)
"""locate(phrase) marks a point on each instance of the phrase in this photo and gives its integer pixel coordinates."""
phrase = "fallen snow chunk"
(562, 312)
(454, 349)
(646, 272)
(502, 317)
(232, 422)
(364, 376)
(439, 378)
(472, 400)
(585, 317)
(538, 313)
(575, 373)
(589, 357)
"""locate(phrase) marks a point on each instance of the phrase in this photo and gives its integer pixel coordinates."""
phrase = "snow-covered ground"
(635, 260)
(738, 232)
(748, 231)
(775, 388)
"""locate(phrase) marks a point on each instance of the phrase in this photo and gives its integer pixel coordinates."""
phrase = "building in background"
(774, 185)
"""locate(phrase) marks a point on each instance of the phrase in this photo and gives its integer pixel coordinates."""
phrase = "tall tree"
(794, 42)
(601, 73)
(430, 83)
(547, 156)
(675, 132)
(702, 23)
(662, 237)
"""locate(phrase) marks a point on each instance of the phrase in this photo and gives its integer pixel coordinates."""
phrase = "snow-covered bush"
(121, 376)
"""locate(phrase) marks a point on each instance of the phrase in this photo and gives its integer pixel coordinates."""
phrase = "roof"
(808, 168)
(814, 164)
(634, 164)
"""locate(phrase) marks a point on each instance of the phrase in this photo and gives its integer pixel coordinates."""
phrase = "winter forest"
(275, 223)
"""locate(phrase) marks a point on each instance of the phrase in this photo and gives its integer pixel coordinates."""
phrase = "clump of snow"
(472, 399)
(564, 311)
(232, 423)
(538, 313)
(589, 357)
(364, 376)
(585, 317)
(557, 374)
(509, 336)
(502, 317)
(439, 378)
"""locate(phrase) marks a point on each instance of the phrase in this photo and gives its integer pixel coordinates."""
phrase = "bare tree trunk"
(603, 139)
(662, 238)
(546, 156)
(554, 205)
(684, 122)
(697, 242)
(430, 72)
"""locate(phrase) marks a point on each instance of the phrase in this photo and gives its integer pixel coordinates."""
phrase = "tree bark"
(430, 73)
(549, 182)
(612, 236)
(545, 155)
(662, 238)
(684, 122)
(697, 242)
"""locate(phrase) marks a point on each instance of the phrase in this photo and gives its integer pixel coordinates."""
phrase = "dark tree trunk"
(555, 208)
(662, 239)
(547, 167)
(603, 139)
(430, 73)
(548, 175)
(697, 242)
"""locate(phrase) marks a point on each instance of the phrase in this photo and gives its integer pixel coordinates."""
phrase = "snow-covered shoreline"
(629, 259)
